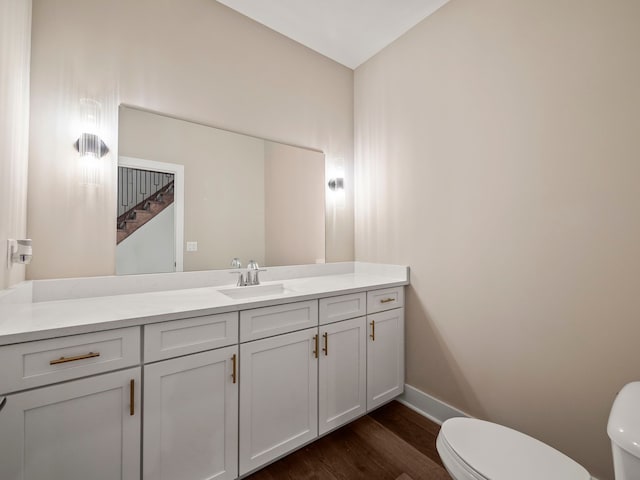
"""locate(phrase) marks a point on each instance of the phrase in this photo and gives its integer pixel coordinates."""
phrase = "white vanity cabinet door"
(191, 417)
(385, 357)
(278, 396)
(84, 429)
(343, 373)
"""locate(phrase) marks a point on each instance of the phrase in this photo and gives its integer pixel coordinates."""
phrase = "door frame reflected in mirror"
(178, 202)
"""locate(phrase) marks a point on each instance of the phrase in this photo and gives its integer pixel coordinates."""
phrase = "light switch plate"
(192, 246)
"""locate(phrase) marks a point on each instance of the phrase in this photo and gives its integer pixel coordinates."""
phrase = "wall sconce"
(336, 184)
(90, 146)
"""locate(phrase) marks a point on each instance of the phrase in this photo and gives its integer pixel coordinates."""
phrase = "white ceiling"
(347, 31)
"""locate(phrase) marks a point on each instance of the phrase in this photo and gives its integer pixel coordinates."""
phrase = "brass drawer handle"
(73, 359)
(326, 344)
(233, 362)
(315, 350)
(387, 300)
(132, 398)
(373, 330)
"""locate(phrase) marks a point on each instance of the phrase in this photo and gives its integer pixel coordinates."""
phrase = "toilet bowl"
(473, 449)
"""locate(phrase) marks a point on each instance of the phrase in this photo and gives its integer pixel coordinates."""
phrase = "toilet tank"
(624, 432)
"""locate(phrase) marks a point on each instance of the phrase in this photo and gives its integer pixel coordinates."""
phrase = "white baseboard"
(435, 410)
(428, 406)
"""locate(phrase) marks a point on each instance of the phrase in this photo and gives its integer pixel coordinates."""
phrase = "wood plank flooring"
(391, 443)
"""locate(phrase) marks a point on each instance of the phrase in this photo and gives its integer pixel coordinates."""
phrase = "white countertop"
(23, 322)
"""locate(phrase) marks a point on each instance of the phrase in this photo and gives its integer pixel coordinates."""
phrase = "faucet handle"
(253, 269)
(253, 265)
(236, 263)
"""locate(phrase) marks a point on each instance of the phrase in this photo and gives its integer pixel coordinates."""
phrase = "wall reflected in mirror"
(192, 197)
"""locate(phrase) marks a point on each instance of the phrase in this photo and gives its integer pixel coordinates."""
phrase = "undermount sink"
(252, 291)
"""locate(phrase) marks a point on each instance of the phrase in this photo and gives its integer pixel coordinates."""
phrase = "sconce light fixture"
(91, 144)
(336, 183)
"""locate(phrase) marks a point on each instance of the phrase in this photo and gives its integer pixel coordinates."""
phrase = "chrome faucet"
(251, 276)
(253, 269)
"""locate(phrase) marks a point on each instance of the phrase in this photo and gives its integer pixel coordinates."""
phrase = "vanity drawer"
(191, 335)
(343, 307)
(386, 299)
(32, 364)
(269, 321)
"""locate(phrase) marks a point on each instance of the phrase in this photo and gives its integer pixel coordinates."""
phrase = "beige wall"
(194, 59)
(224, 209)
(294, 205)
(497, 153)
(15, 33)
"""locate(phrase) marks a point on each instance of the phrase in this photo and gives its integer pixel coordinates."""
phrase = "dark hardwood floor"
(391, 443)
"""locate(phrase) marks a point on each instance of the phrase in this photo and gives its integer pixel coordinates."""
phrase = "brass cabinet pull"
(73, 359)
(132, 398)
(326, 344)
(233, 362)
(315, 341)
(3, 403)
(373, 330)
(387, 300)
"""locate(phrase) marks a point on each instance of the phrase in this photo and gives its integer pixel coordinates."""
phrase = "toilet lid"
(500, 453)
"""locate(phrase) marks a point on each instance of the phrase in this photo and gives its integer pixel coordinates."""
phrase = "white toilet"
(624, 432)
(473, 449)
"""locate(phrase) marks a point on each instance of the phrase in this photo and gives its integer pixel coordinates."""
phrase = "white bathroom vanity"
(207, 381)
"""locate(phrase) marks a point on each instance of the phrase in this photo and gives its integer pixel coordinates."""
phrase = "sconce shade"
(91, 144)
(336, 183)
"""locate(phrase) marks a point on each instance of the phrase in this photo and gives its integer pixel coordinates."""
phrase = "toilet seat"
(457, 468)
(473, 449)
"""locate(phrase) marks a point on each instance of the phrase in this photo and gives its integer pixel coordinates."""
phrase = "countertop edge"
(43, 334)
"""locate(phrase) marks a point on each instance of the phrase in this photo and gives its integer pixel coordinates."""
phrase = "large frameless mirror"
(192, 197)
